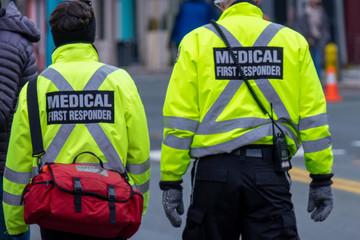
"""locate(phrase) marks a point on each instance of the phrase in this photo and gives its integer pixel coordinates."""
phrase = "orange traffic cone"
(331, 88)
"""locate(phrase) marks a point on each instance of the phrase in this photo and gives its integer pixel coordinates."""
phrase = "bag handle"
(100, 161)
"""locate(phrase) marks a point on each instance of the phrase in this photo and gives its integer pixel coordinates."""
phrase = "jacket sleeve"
(313, 123)
(30, 69)
(138, 161)
(18, 169)
(12, 65)
(181, 113)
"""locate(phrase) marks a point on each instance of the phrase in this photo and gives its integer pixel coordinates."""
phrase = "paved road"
(342, 224)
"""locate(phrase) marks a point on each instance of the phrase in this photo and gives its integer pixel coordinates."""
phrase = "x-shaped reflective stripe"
(95, 129)
(209, 121)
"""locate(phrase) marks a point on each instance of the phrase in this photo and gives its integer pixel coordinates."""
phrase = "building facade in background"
(136, 32)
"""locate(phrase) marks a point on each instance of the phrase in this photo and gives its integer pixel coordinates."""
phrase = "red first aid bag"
(83, 199)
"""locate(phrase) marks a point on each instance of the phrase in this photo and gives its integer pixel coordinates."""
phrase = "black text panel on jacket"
(71, 107)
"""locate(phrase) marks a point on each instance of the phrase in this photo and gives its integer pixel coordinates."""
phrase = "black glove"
(172, 201)
(321, 197)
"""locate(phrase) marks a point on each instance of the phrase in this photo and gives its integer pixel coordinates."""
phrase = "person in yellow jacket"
(240, 181)
(84, 105)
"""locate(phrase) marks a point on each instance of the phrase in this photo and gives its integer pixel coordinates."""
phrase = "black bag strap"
(34, 119)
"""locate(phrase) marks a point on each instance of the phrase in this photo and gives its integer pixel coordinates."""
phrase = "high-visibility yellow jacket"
(84, 105)
(205, 113)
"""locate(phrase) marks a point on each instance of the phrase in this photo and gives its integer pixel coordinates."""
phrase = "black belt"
(253, 151)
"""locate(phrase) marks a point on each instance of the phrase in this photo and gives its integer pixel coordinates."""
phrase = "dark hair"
(88, 2)
(71, 16)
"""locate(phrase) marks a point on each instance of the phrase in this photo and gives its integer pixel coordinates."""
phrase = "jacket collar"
(242, 7)
(75, 52)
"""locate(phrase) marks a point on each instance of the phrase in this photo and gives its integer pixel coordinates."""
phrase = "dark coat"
(192, 14)
(17, 66)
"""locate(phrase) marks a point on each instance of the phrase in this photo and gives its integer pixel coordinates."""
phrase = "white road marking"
(155, 155)
(336, 152)
(355, 143)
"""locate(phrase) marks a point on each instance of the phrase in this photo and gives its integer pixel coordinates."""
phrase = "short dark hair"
(71, 16)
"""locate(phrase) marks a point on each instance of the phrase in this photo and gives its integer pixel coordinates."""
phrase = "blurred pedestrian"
(117, 133)
(17, 66)
(192, 14)
(242, 98)
(313, 23)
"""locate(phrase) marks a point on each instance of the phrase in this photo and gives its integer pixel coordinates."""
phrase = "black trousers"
(50, 234)
(240, 194)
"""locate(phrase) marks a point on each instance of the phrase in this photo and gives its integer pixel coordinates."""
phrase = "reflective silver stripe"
(180, 123)
(317, 145)
(55, 77)
(65, 130)
(229, 125)
(209, 124)
(268, 34)
(272, 97)
(98, 134)
(245, 139)
(114, 161)
(178, 143)
(99, 77)
(230, 89)
(17, 177)
(106, 147)
(313, 121)
(221, 102)
(232, 40)
(57, 143)
(264, 84)
(137, 169)
(11, 199)
(142, 188)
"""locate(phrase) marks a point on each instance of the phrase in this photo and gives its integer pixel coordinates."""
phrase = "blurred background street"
(140, 32)
(136, 35)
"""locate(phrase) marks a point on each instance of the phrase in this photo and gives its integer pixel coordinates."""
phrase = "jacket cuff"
(321, 180)
(18, 235)
(166, 185)
(18, 231)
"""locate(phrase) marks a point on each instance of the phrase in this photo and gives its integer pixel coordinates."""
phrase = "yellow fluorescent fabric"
(77, 63)
(194, 94)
